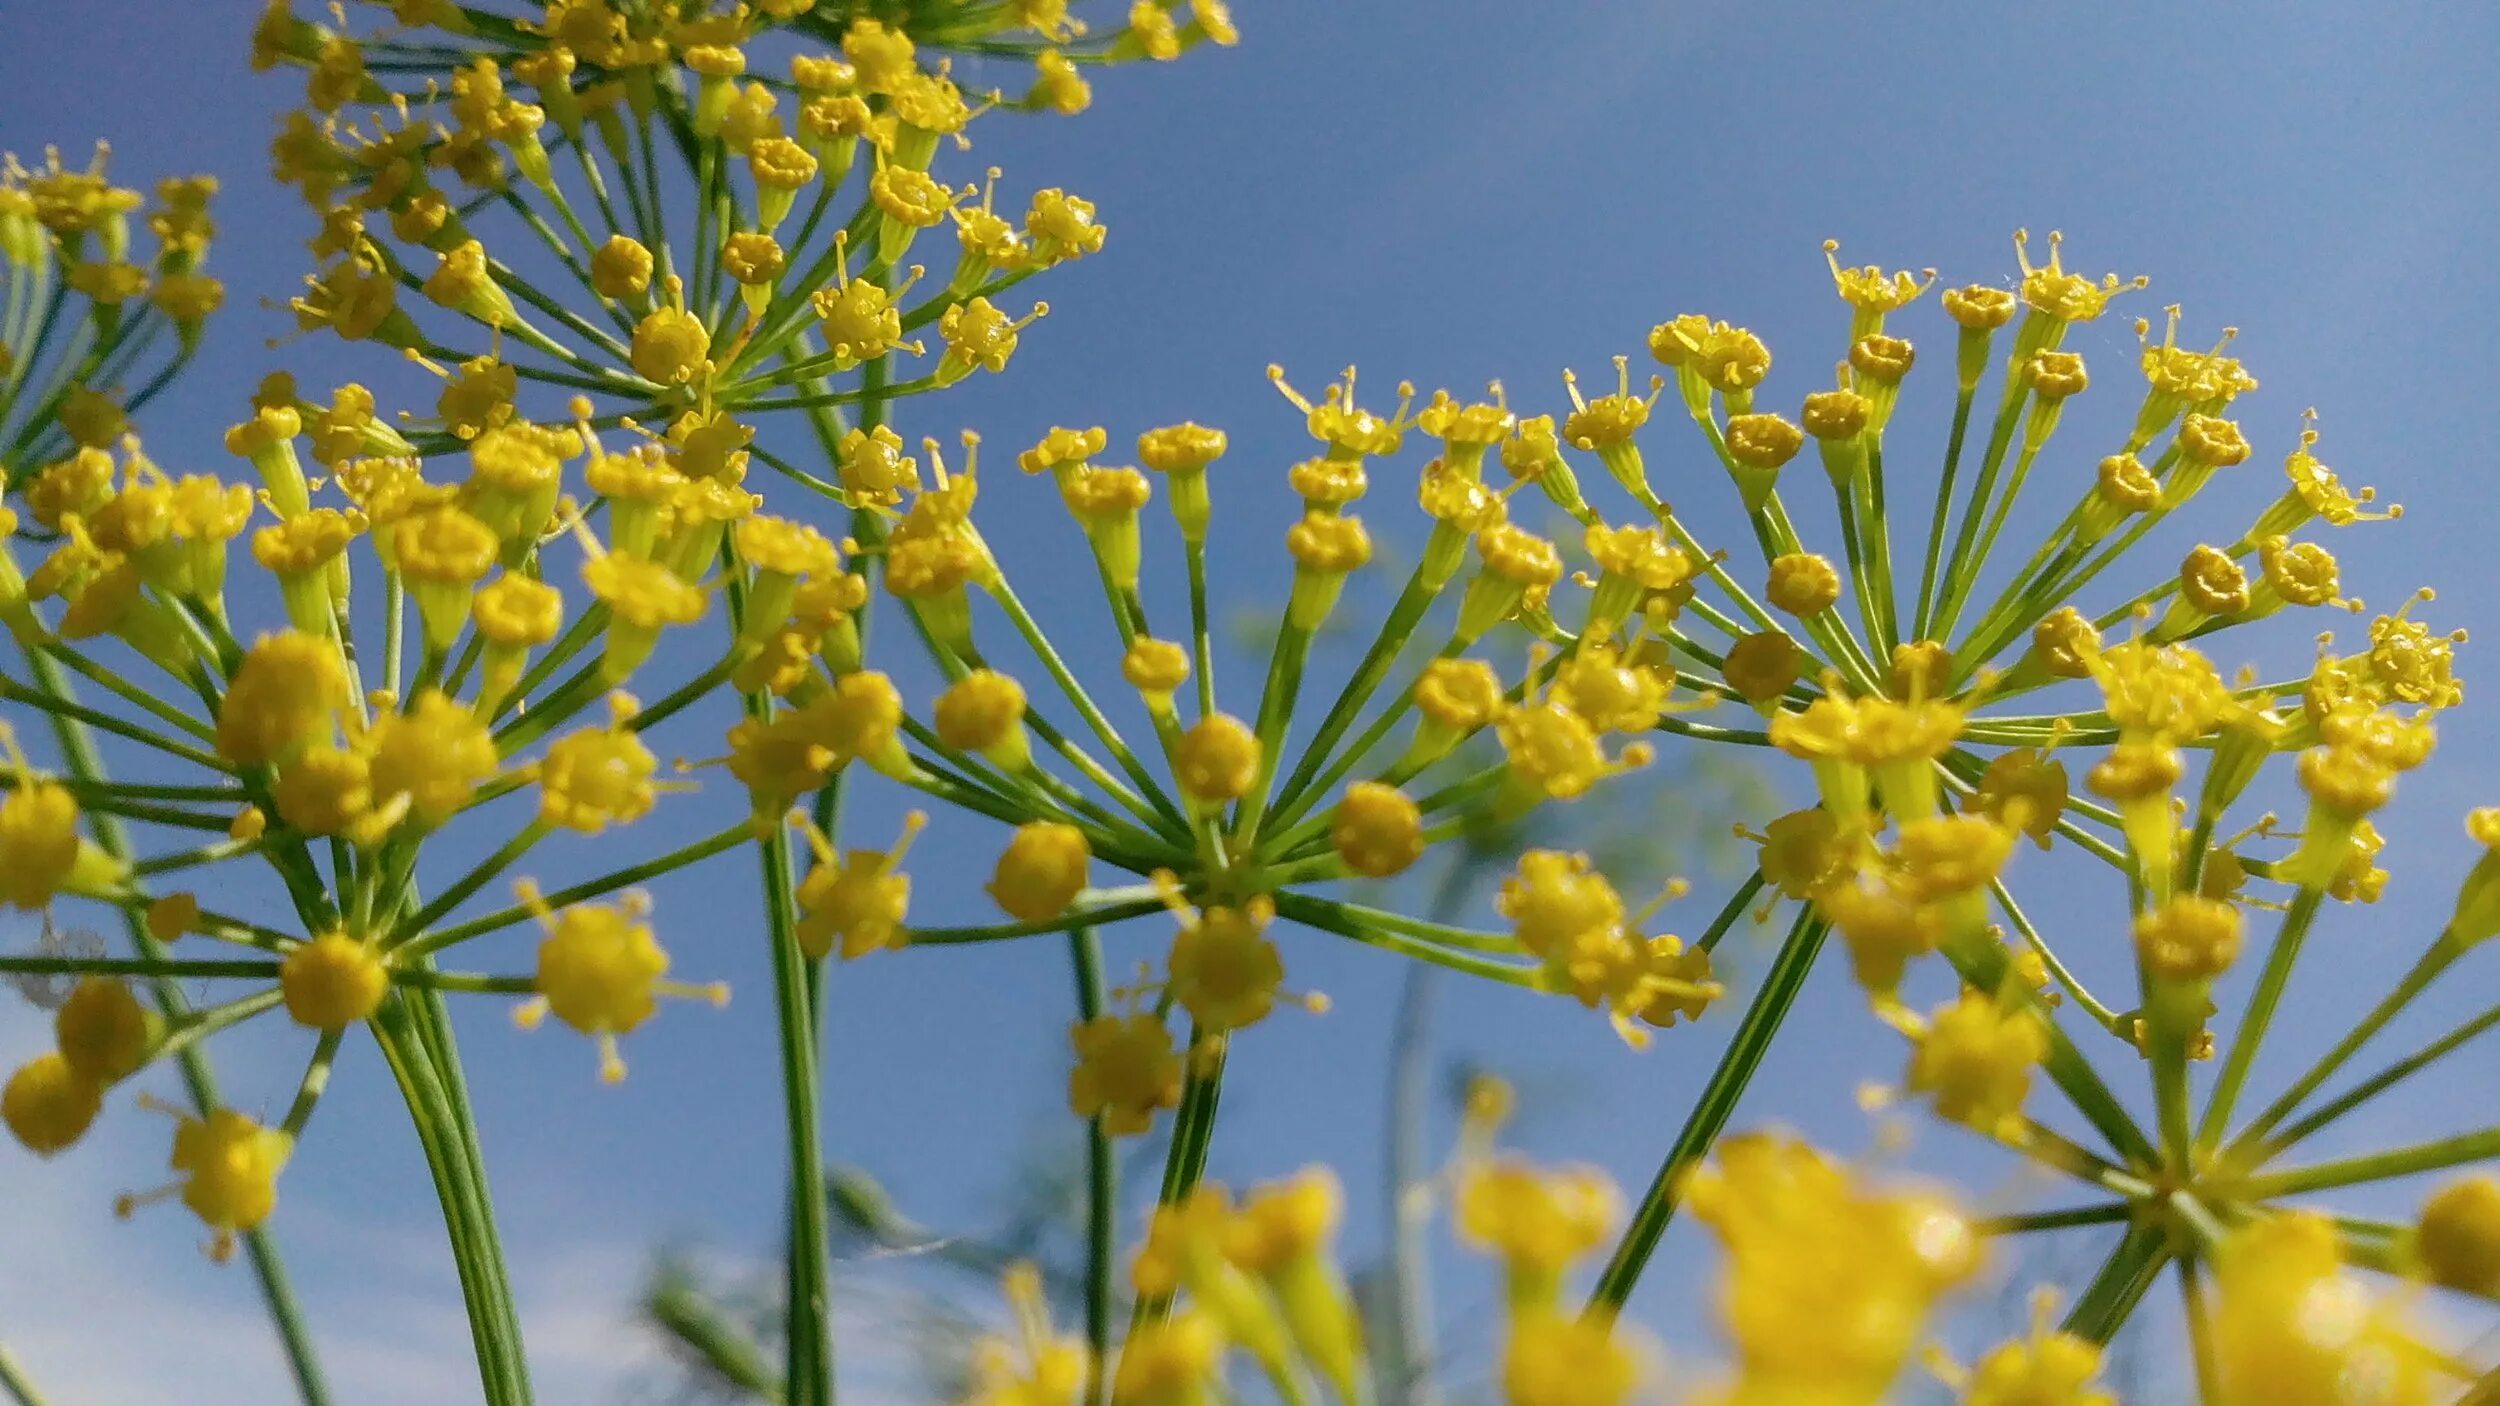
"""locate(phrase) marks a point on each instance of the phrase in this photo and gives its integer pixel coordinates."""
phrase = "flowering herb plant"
(658, 261)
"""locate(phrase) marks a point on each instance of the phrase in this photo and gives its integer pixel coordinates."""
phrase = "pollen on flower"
(1223, 969)
(2188, 939)
(2054, 293)
(1975, 1058)
(435, 755)
(984, 712)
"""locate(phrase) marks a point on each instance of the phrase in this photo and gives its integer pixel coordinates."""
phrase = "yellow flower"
(1061, 226)
(1976, 1058)
(602, 972)
(1562, 1359)
(435, 755)
(229, 1166)
(621, 268)
(1883, 928)
(2457, 1242)
(2061, 297)
(1216, 760)
(856, 900)
(1539, 1222)
(2290, 1328)
(1553, 898)
(2188, 939)
(1827, 1284)
(283, 698)
(2045, 1369)
(1126, 1070)
(598, 776)
(443, 552)
(670, 346)
(1222, 968)
(984, 712)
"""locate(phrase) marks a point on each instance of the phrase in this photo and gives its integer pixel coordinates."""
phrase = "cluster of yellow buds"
(328, 762)
(82, 345)
(789, 267)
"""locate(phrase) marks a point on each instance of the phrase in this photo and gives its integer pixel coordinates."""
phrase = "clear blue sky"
(1445, 193)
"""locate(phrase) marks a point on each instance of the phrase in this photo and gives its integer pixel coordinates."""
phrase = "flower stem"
(13, 1380)
(2260, 1014)
(2120, 1285)
(1102, 1187)
(2367, 1089)
(1780, 985)
(2475, 1146)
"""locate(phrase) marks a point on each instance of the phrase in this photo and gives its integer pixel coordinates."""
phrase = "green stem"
(2475, 1146)
(1780, 985)
(14, 1380)
(1102, 1188)
(2371, 1087)
(1341, 919)
(2200, 1333)
(2427, 968)
(1944, 510)
(2260, 1014)
(2027, 1222)
(316, 1079)
(1073, 921)
(2120, 1284)
(1193, 1129)
(1961, 571)
(494, 1323)
(809, 1365)
(728, 839)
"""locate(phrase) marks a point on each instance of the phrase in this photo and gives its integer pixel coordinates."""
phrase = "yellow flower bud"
(333, 981)
(1377, 830)
(1041, 871)
(1216, 760)
(103, 1031)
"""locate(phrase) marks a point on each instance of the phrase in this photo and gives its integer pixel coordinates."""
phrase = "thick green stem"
(2120, 1284)
(494, 1323)
(809, 1367)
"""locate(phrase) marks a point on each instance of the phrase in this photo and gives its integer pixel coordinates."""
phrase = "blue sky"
(1445, 193)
